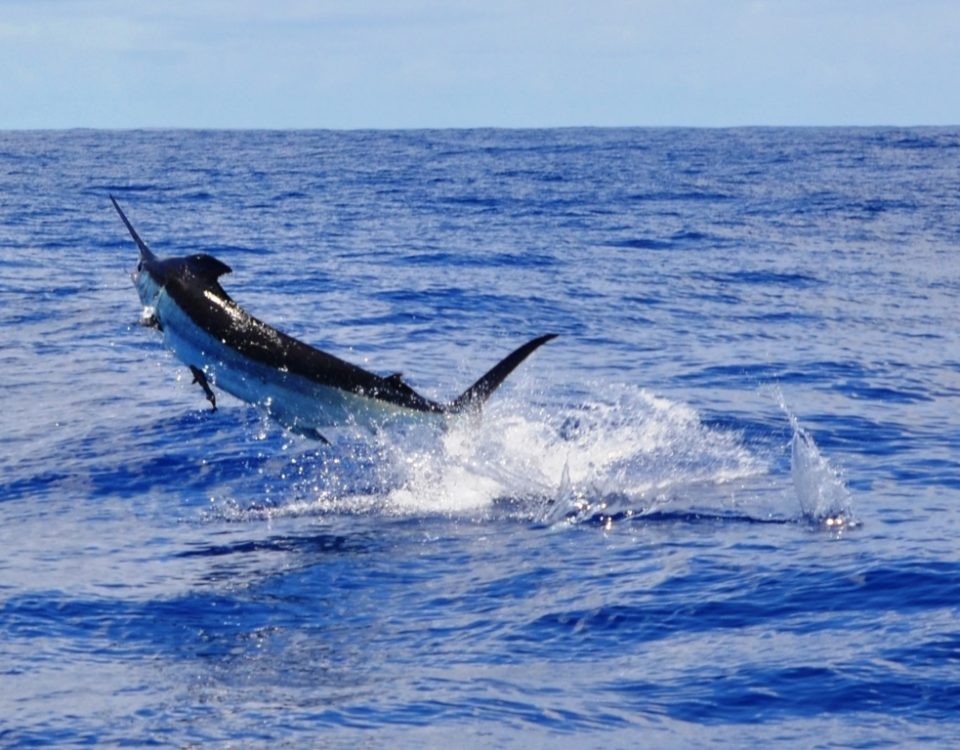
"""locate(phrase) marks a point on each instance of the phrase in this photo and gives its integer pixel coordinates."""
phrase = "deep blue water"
(635, 546)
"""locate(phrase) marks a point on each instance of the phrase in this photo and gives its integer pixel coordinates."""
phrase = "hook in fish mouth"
(148, 317)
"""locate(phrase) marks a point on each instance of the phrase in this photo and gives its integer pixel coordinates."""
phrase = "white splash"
(620, 453)
(824, 498)
(626, 452)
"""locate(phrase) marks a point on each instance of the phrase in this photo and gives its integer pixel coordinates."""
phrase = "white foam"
(821, 492)
(624, 451)
(562, 460)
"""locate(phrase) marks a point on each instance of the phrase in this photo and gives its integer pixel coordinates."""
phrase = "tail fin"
(476, 394)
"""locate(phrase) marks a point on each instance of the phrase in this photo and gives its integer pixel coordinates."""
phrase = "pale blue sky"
(453, 63)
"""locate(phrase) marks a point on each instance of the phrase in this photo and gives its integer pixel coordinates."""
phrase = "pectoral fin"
(199, 377)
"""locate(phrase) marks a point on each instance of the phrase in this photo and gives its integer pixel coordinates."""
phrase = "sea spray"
(618, 452)
(823, 497)
(621, 451)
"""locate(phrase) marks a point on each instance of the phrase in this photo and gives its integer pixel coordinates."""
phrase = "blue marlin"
(302, 387)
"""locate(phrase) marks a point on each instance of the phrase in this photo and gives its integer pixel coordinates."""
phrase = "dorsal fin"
(207, 268)
(395, 381)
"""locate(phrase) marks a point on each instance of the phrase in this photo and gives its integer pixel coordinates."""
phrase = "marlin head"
(153, 274)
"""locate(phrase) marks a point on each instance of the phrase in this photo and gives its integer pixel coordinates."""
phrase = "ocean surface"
(721, 509)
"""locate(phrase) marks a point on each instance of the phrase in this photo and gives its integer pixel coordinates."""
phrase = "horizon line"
(434, 128)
